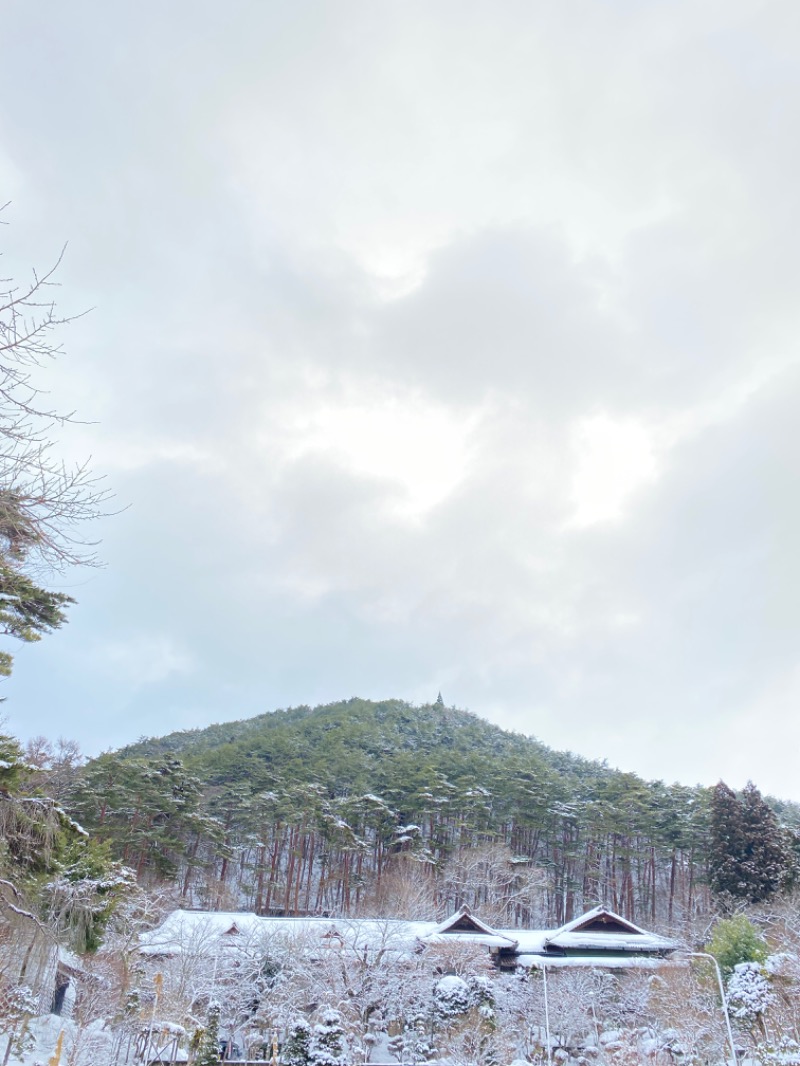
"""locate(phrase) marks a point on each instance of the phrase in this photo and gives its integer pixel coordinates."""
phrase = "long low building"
(599, 938)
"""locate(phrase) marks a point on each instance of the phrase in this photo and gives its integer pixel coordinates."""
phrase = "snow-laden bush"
(328, 1046)
(481, 995)
(296, 1049)
(17, 1007)
(451, 997)
(785, 1053)
(413, 1044)
(749, 991)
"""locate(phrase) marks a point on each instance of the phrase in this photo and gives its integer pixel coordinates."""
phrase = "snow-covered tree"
(17, 1007)
(767, 862)
(328, 1046)
(414, 1044)
(208, 1053)
(749, 854)
(296, 1050)
(481, 995)
(784, 1052)
(451, 997)
(750, 995)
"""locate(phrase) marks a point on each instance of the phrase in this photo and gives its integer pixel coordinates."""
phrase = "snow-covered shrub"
(412, 1044)
(749, 991)
(786, 1052)
(296, 1048)
(17, 1007)
(451, 997)
(481, 995)
(328, 1046)
(16, 1003)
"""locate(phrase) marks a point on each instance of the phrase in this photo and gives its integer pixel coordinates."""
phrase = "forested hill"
(389, 808)
(358, 745)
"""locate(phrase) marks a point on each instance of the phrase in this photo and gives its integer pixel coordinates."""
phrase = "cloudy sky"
(434, 345)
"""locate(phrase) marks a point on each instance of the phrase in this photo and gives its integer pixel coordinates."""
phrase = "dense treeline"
(382, 809)
(388, 808)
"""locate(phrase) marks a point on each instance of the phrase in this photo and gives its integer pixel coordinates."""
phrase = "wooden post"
(55, 1058)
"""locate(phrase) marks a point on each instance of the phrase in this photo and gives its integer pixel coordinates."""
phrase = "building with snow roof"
(600, 938)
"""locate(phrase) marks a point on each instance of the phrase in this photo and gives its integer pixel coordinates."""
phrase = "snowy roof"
(67, 960)
(605, 962)
(639, 942)
(464, 924)
(486, 940)
(602, 930)
(205, 931)
(601, 916)
(209, 931)
(530, 941)
(180, 928)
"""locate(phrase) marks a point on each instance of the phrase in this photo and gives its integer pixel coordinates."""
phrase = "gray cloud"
(432, 348)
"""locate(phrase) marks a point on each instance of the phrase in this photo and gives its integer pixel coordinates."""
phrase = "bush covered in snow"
(452, 997)
(749, 991)
(328, 1046)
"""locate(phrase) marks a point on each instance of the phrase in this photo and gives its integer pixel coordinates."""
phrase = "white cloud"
(613, 458)
(434, 346)
(418, 446)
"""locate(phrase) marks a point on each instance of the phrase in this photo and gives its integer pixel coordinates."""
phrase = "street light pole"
(705, 955)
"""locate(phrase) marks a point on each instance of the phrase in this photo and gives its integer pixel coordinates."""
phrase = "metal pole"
(547, 1016)
(705, 955)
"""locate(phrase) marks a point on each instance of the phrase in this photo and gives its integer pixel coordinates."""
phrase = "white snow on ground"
(91, 1046)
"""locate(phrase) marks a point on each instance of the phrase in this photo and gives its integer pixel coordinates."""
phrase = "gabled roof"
(600, 920)
(602, 930)
(465, 925)
(600, 934)
(464, 921)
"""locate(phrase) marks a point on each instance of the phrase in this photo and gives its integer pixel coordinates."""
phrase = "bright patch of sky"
(614, 458)
(419, 447)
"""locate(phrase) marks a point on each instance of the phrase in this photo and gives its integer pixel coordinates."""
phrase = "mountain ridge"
(365, 803)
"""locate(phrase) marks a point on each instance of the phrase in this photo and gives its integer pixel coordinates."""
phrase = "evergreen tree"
(767, 860)
(749, 853)
(750, 993)
(451, 997)
(296, 1049)
(27, 611)
(208, 1055)
(328, 1046)
(727, 843)
(13, 768)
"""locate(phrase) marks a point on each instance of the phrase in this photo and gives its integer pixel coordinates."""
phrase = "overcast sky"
(435, 346)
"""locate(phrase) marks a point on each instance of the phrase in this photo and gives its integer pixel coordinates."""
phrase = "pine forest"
(383, 811)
